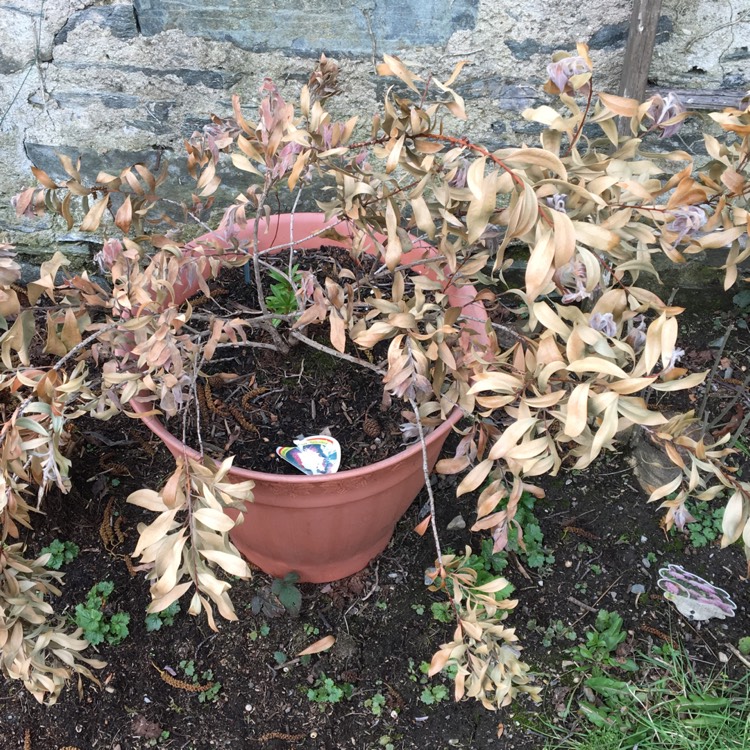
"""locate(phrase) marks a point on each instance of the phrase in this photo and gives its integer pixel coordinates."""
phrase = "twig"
(742, 391)
(383, 269)
(374, 586)
(197, 402)
(189, 213)
(372, 590)
(253, 344)
(737, 654)
(38, 56)
(710, 379)
(740, 430)
(290, 273)
(604, 593)
(275, 335)
(579, 130)
(519, 567)
(311, 236)
(256, 260)
(580, 604)
(428, 486)
(334, 353)
(426, 89)
(466, 143)
(247, 321)
(426, 470)
(505, 329)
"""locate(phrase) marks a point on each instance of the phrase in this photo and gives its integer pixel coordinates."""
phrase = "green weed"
(282, 299)
(325, 690)
(96, 624)
(156, 620)
(601, 644)
(60, 553)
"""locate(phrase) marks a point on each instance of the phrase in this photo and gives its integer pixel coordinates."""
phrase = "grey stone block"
(10, 65)
(609, 36)
(738, 53)
(509, 97)
(78, 99)
(526, 49)
(211, 79)
(119, 20)
(309, 27)
(615, 35)
(45, 157)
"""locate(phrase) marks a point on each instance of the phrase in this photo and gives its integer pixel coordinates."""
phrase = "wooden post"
(704, 100)
(640, 48)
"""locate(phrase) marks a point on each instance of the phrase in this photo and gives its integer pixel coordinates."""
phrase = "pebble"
(457, 523)
(637, 588)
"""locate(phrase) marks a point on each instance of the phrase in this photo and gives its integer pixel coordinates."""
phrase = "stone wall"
(121, 81)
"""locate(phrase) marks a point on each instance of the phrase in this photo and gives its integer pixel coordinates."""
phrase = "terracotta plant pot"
(324, 527)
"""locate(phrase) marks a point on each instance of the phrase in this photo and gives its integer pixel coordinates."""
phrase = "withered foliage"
(555, 383)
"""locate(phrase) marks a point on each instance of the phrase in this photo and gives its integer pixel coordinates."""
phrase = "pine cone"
(371, 427)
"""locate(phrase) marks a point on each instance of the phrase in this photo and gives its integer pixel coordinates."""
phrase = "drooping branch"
(21, 408)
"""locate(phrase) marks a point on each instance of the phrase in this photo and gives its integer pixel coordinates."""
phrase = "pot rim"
(160, 430)
(158, 427)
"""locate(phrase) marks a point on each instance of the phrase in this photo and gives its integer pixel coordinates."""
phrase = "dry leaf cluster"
(585, 208)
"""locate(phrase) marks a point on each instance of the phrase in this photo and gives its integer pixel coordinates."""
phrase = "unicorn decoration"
(694, 597)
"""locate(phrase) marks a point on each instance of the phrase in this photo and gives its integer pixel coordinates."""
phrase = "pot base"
(321, 572)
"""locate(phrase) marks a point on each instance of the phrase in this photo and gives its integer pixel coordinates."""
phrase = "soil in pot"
(254, 399)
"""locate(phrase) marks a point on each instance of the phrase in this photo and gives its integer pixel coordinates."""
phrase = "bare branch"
(341, 355)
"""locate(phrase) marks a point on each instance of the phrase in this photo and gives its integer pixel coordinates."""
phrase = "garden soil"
(603, 536)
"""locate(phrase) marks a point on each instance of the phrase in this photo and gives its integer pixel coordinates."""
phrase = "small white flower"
(604, 322)
(687, 221)
(637, 334)
(674, 358)
(558, 202)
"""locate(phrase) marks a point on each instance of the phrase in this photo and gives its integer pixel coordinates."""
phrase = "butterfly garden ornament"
(693, 596)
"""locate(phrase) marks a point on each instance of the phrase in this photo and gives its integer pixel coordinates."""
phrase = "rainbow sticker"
(314, 455)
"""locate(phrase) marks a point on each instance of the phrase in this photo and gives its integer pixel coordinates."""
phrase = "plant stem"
(466, 143)
(740, 429)
(285, 245)
(578, 132)
(256, 266)
(426, 472)
(335, 353)
(710, 378)
(197, 402)
(189, 213)
(256, 259)
(246, 344)
(290, 265)
(738, 393)
(428, 486)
